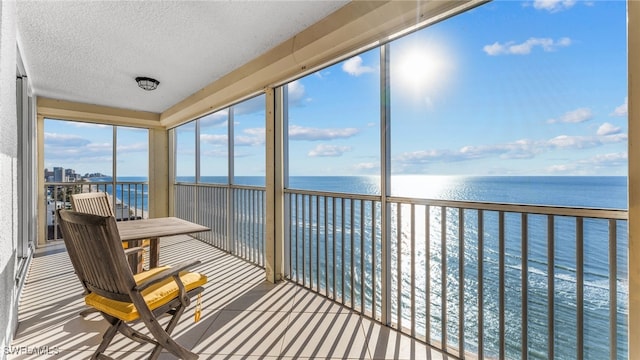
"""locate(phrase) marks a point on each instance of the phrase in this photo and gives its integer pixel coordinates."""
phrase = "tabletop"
(156, 227)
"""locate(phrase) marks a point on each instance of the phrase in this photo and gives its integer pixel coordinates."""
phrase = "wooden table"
(135, 231)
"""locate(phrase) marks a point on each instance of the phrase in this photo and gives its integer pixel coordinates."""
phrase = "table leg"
(154, 253)
(136, 261)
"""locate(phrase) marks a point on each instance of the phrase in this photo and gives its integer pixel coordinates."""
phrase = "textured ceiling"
(91, 51)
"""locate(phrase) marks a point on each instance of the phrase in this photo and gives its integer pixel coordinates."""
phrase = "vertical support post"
(171, 150)
(160, 171)
(524, 246)
(551, 286)
(613, 290)
(385, 184)
(480, 284)
(461, 333)
(274, 227)
(197, 190)
(24, 166)
(443, 278)
(114, 170)
(427, 273)
(230, 192)
(633, 48)
(502, 285)
(580, 288)
(42, 196)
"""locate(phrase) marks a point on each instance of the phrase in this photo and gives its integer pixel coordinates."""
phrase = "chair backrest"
(97, 203)
(95, 249)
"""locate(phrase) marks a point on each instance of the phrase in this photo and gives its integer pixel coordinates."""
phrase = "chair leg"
(108, 336)
(170, 326)
(134, 335)
(165, 341)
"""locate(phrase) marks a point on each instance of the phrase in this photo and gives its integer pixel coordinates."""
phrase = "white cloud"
(574, 116)
(611, 159)
(525, 48)
(614, 138)
(591, 165)
(219, 118)
(355, 67)
(553, 5)
(316, 134)
(520, 149)
(296, 92)
(254, 105)
(622, 110)
(608, 129)
(65, 140)
(323, 150)
(63, 147)
(366, 167)
(251, 137)
(563, 168)
(494, 49)
(92, 125)
(133, 147)
(214, 139)
(573, 142)
(220, 153)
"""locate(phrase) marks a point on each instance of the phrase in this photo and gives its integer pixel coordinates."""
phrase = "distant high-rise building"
(58, 174)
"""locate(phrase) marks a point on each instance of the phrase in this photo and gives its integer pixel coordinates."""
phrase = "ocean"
(588, 192)
(579, 191)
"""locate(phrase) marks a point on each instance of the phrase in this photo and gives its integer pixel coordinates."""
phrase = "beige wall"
(8, 172)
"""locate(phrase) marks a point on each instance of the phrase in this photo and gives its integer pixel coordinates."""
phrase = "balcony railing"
(131, 200)
(234, 213)
(474, 279)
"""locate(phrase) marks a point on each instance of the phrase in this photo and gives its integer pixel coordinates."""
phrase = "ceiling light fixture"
(147, 83)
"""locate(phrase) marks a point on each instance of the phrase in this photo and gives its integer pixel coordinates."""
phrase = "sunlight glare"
(420, 70)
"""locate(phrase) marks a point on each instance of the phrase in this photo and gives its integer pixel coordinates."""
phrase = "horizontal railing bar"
(213, 185)
(74, 183)
(333, 194)
(617, 214)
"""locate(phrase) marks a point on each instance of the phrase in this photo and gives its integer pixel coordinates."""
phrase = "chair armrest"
(173, 271)
(132, 250)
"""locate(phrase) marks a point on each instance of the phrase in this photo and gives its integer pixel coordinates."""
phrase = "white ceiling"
(91, 51)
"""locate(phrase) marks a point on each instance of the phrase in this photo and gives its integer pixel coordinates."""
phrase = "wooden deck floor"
(243, 317)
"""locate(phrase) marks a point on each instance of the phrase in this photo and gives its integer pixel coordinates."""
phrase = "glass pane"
(249, 142)
(214, 148)
(132, 159)
(334, 127)
(186, 152)
(510, 90)
(76, 150)
(132, 154)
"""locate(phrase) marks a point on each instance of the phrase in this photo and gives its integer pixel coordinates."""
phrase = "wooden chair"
(99, 203)
(95, 250)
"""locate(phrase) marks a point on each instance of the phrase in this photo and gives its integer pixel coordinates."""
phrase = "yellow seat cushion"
(145, 243)
(155, 295)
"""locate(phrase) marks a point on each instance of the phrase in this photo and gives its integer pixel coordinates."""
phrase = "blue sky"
(509, 88)
(88, 148)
